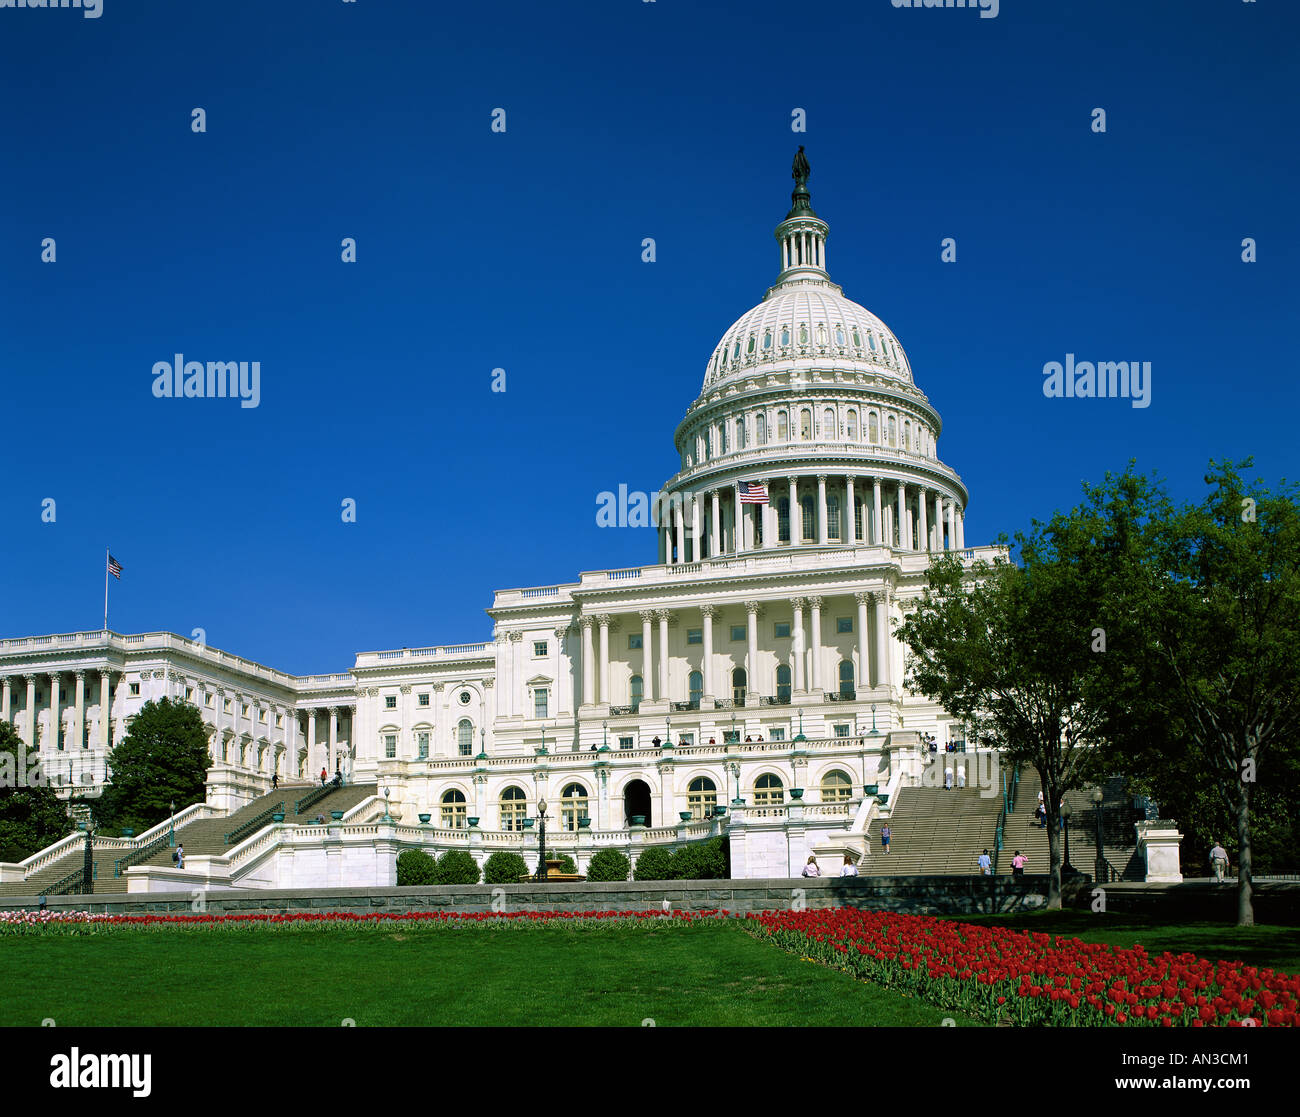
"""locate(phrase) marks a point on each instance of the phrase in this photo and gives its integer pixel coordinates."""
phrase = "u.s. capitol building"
(748, 680)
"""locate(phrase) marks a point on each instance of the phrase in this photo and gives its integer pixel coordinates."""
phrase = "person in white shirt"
(810, 869)
(986, 864)
(848, 869)
(947, 779)
(1219, 861)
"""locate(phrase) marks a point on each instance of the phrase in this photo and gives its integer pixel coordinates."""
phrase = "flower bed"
(82, 922)
(1033, 978)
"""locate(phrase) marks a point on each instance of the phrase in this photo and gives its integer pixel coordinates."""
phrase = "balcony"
(684, 707)
(782, 698)
(845, 694)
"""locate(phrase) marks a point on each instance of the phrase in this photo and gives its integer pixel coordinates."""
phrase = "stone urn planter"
(871, 788)
(473, 822)
(685, 816)
(277, 817)
(584, 823)
(796, 793)
(127, 832)
(528, 823)
(337, 816)
(424, 818)
(637, 820)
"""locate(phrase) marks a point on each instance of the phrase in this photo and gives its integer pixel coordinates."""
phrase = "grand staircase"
(204, 837)
(933, 831)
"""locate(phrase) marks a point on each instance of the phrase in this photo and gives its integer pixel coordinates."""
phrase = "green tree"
(415, 867)
(608, 864)
(456, 866)
(1223, 619)
(31, 815)
(163, 759)
(504, 868)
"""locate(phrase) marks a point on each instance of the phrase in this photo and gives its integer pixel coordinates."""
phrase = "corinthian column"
(588, 663)
(708, 611)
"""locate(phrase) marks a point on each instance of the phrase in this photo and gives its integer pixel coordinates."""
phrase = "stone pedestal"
(1157, 842)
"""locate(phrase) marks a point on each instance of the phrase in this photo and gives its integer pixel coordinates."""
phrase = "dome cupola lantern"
(802, 236)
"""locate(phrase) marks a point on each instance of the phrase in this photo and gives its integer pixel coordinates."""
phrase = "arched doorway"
(636, 802)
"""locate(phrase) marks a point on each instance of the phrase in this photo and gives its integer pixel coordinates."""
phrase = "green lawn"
(710, 974)
(1272, 946)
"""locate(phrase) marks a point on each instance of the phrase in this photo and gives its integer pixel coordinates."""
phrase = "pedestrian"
(1219, 861)
(324, 775)
(961, 776)
(947, 779)
(986, 864)
(848, 869)
(884, 837)
(810, 869)
(1040, 812)
(1018, 864)
(180, 857)
(275, 780)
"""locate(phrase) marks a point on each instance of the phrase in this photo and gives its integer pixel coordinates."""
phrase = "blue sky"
(522, 250)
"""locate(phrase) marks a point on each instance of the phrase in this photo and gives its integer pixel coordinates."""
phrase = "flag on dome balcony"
(115, 568)
(753, 492)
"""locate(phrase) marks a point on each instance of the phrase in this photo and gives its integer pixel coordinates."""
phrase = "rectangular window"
(777, 735)
(135, 690)
(687, 739)
(539, 648)
(634, 641)
(841, 731)
(843, 624)
(189, 693)
(225, 706)
(737, 633)
(626, 742)
(207, 699)
(245, 709)
(731, 738)
(695, 636)
(63, 694)
(390, 701)
(540, 696)
(422, 699)
(279, 721)
(423, 740)
(390, 745)
(261, 715)
(782, 630)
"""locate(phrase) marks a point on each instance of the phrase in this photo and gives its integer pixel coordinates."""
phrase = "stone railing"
(450, 651)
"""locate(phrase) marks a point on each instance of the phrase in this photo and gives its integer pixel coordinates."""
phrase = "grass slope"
(713, 974)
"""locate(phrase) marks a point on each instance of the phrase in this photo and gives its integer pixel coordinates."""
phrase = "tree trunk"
(1054, 852)
(1245, 897)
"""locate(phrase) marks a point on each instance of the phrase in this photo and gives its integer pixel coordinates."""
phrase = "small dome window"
(749, 349)
(821, 335)
(839, 335)
(857, 338)
(803, 335)
(767, 340)
(871, 338)
(785, 335)
(735, 351)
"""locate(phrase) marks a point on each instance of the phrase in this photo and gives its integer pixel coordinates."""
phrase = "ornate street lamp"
(171, 828)
(604, 727)
(734, 769)
(668, 730)
(1067, 869)
(733, 726)
(541, 841)
(1100, 878)
(387, 792)
(88, 858)
(874, 732)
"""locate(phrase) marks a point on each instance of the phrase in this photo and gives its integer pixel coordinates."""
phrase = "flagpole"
(105, 589)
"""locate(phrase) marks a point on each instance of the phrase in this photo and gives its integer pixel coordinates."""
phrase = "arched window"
(907, 436)
(846, 678)
(722, 438)
(851, 425)
(809, 519)
(783, 519)
(636, 688)
(782, 427)
(769, 791)
(836, 787)
(873, 427)
(453, 810)
(893, 432)
(696, 686)
(833, 517)
(830, 429)
(738, 679)
(514, 808)
(783, 684)
(701, 796)
(573, 806)
(858, 505)
(740, 432)
(805, 423)
(760, 427)
(465, 737)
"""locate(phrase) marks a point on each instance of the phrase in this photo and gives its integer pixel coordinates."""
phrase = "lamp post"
(1067, 869)
(668, 730)
(387, 792)
(733, 726)
(874, 731)
(541, 841)
(1100, 878)
(604, 728)
(88, 858)
(171, 826)
(734, 769)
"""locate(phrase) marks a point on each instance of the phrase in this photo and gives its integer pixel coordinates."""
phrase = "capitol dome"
(809, 429)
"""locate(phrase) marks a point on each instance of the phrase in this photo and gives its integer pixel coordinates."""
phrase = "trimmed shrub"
(456, 867)
(655, 863)
(700, 861)
(608, 864)
(504, 868)
(414, 866)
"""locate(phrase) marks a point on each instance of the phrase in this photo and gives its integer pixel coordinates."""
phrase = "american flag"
(753, 492)
(115, 568)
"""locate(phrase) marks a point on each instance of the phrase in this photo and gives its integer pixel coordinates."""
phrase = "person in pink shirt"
(1018, 864)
